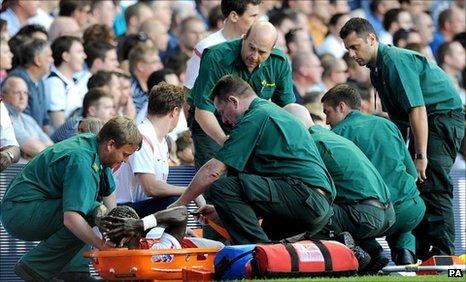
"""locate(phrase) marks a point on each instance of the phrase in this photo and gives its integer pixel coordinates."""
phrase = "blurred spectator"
(125, 107)
(178, 62)
(356, 73)
(34, 31)
(34, 64)
(203, 9)
(425, 26)
(79, 10)
(185, 149)
(44, 16)
(100, 55)
(297, 41)
(9, 147)
(143, 61)
(162, 12)
(157, 32)
(18, 13)
(284, 20)
(239, 16)
(4, 34)
(332, 43)
(127, 44)
(15, 43)
(403, 37)
(307, 72)
(450, 22)
(215, 19)
(99, 32)
(415, 7)
(394, 20)
(366, 91)
(298, 6)
(103, 12)
(97, 103)
(135, 15)
(107, 81)
(90, 125)
(191, 31)
(377, 11)
(64, 26)
(451, 58)
(6, 58)
(318, 21)
(31, 138)
(60, 88)
(335, 72)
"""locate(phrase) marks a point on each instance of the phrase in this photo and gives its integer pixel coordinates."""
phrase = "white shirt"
(152, 158)
(7, 132)
(63, 93)
(41, 18)
(192, 69)
(332, 45)
(181, 126)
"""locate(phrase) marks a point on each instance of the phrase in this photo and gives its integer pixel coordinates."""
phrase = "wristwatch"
(419, 157)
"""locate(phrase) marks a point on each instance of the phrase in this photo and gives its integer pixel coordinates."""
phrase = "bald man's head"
(258, 44)
(301, 113)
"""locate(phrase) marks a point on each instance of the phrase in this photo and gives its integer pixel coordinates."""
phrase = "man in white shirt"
(239, 16)
(141, 182)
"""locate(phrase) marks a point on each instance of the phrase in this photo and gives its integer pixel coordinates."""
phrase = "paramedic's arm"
(207, 174)
(419, 126)
(210, 125)
(81, 229)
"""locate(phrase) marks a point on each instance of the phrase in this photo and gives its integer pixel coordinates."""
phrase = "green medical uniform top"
(270, 142)
(405, 79)
(69, 170)
(380, 140)
(352, 172)
(270, 80)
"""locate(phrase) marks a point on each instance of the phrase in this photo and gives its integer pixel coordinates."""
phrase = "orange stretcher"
(151, 264)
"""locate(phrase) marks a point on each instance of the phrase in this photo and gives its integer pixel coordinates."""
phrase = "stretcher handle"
(170, 270)
(219, 229)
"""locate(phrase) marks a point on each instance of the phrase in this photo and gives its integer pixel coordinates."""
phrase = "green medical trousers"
(364, 221)
(435, 235)
(42, 221)
(287, 206)
(409, 214)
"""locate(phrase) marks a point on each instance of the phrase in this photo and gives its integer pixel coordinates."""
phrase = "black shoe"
(76, 277)
(403, 257)
(26, 273)
(362, 256)
(378, 261)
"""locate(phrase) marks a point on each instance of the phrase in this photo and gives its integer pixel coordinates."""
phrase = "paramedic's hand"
(421, 166)
(117, 227)
(209, 212)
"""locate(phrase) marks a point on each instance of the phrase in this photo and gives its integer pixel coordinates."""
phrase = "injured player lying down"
(164, 229)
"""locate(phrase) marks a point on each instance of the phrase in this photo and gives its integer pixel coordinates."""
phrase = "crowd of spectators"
(62, 61)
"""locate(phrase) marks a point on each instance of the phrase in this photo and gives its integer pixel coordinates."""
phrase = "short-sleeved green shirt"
(405, 79)
(270, 80)
(270, 142)
(69, 170)
(381, 141)
(354, 175)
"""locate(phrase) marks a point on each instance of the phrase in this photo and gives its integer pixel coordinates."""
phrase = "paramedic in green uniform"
(415, 92)
(274, 171)
(53, 198)
(252, 58)
(362, 204)
(381, 141)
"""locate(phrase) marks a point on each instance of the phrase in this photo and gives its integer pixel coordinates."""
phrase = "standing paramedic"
(252, 58)
(417, 93)
(53, 198)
